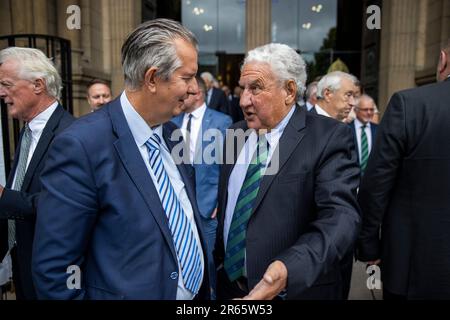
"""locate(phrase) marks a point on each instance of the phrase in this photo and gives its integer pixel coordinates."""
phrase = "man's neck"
(42, 105)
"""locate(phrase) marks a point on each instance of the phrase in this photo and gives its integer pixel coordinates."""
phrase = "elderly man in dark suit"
(287, 191)
(215, 98)
(364, 131)
(116, 205)
(30, 86)
(405, 192)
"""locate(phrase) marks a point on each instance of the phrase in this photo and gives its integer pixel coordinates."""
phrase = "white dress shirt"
(141, 133)
(237, 176)
(37, 126)
(321, 111)
(196, 128)
(358, 127)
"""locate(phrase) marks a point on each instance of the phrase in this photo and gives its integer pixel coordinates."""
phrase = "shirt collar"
(38, 123)
(322, 112)
(198, 113)
(278, 130)
(140, 130)
(359, 124)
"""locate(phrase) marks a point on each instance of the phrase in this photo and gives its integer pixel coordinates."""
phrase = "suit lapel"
(133, 163)
(291, 137)
(43, 144)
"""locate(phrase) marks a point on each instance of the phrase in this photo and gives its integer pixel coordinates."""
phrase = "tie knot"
(154, 142)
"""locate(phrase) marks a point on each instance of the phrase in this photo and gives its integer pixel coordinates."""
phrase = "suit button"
(174, 275)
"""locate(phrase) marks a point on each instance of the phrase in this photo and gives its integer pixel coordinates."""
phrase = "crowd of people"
(178, 189)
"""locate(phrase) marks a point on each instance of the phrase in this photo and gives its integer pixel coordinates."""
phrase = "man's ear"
(150, 79)
(291, 90)
(442, 65)
(39, 86)
(327, 94)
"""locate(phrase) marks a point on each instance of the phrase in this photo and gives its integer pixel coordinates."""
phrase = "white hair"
(285, 62)
(207, 76)
(332, 81)
(33, 64)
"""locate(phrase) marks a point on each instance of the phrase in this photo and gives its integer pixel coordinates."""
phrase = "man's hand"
(214, 214)
(273, 282)
(1, 190)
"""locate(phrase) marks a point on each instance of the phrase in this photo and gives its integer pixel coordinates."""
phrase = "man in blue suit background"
(198, 124)
(117, 209)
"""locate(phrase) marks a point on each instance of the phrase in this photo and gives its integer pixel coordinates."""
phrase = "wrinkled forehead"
(9, 68)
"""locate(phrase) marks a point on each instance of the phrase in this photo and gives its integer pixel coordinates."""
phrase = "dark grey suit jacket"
(306, 215)
(406, 192)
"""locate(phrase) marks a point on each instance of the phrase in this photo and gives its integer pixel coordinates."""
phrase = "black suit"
(306, 215)
(218, 101)
(406, 190)
(21, 205)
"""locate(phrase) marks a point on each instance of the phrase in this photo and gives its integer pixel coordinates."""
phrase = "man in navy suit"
(363, 129)
(117, 209)
(30, 86)
(198, 124)
(215, 98)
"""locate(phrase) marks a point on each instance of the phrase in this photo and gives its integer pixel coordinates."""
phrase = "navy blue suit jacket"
(100, 211)
(207, 175)
(21, 205)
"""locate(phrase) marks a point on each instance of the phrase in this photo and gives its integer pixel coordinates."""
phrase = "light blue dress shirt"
(141, 132)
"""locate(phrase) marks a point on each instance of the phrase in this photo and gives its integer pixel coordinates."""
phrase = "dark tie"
(188, 127)
(364, 149)
(20, 175)
(186, 245)
(235, 251)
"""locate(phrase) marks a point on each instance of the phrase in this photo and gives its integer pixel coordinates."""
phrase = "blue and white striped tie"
(188, 250)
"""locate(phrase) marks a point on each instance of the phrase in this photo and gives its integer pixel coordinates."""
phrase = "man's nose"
(245, 99)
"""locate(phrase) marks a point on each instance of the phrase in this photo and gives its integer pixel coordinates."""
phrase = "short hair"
(332, 82)
(207, 75)
(201, 84)
(97, 81)
(285, 62)
(34, 64)
(366, 96)
(310, 89)
(152, 44)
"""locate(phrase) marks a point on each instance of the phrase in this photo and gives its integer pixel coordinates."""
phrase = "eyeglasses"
(366, 110)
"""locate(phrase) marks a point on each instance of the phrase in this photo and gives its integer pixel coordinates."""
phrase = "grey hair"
(285, 62)
(310, 89)
(207, 75)
(151, 44)
(366, 96)
(332, 82)
(34, 64)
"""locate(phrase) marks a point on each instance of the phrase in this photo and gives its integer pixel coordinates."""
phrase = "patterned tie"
(187, 248)
(21, 170)
(235, 251)
(364, 149)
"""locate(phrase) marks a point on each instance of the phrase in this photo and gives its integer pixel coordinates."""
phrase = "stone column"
(258, 23)
(400, 19)
(40, 17)
(74, 36)
(124, 16)
(5, 18)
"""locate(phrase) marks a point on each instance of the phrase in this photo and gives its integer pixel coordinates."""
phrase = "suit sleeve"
(66, 214)
(334, 231)
(17, 205)
(380, 176)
